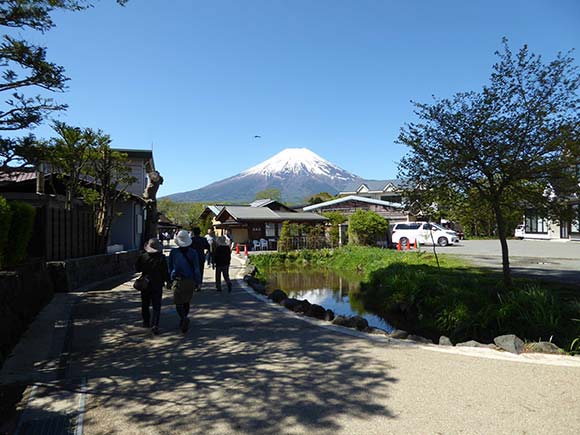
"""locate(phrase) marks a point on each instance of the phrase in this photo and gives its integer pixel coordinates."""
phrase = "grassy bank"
(455, 299)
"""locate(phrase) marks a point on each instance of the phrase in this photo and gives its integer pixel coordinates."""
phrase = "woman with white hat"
(153, 267)
(184, 274)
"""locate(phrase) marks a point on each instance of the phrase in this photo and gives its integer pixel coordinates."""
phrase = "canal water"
(326, 288)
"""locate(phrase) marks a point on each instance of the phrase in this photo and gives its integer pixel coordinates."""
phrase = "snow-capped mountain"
(297, 172)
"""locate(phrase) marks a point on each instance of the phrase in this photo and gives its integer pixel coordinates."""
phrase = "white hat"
(153, 246)
(182, 239)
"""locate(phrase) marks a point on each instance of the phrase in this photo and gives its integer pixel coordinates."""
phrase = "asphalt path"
(541, 259)
(249, 367)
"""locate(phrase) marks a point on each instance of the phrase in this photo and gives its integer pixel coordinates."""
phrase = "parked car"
(424, 233)
(520, 231)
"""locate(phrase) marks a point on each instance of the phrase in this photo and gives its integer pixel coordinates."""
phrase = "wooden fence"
(61, 234)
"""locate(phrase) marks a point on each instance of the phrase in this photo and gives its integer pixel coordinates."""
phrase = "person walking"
(211, 240)
(222, 259)
(185, 276)
(200, 245)
(230, 239)
(153, 266)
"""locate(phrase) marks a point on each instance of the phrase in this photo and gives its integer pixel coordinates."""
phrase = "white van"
(520, 231)
(425, 233)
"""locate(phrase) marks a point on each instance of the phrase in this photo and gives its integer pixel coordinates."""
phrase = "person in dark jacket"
(200, 245)
(153, 265)
(185, 276)
(222, 258)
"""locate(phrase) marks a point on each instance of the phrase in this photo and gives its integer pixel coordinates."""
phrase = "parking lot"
(543, 259)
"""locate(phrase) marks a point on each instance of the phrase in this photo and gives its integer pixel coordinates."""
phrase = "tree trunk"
(502, 233)
(150, 196)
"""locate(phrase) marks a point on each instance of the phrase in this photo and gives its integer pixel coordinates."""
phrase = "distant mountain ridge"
(297, 172)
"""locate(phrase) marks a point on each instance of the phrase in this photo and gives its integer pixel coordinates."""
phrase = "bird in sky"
(257, 137)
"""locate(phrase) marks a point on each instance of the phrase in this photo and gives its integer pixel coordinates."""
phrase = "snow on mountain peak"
(296, 161)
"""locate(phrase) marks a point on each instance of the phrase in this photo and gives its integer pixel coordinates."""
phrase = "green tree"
(25, 67)
(317, 198)
(516, 138)
(272, 193)
(366, 226)
(68, 155)
(112, 177)
(336, 219)
(184, 214)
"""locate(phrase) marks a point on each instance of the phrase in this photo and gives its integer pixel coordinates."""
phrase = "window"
(270, 229)
(576, 220)
(408, 226)
(391, 198)
(535, 223)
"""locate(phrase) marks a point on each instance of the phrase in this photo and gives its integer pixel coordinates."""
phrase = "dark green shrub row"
(16, 227)
(470, 305)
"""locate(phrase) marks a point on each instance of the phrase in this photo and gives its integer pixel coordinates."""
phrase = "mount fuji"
(297, 172)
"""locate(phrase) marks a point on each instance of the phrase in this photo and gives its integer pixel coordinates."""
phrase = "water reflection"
(326, 288)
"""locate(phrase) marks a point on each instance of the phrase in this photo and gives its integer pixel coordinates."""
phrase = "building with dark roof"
(60, 234)
(384, 190)
(261, 220)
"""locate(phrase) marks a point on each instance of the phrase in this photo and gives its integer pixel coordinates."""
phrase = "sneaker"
(198, 289)
(155, 330)
(146, 324)
(185, 325)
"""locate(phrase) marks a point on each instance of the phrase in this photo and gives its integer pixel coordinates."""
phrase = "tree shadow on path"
(242, 368)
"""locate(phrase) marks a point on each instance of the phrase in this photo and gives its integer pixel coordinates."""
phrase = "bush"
(5, 220)
(366, 226)
(21, 228)
(336, 218)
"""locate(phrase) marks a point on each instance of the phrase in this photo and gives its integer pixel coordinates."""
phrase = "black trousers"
(182, 310)
(151, 298)
(225, 271)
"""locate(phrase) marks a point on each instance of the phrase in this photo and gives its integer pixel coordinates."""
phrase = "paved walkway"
(246, 366)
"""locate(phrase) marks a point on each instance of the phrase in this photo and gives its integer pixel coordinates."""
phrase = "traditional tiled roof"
(17, 176)
(372, 185)
(264, 214)
(261, 202)
(353, 198)
(301, 216)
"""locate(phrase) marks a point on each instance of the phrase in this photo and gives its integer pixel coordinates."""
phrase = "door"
(564, 230)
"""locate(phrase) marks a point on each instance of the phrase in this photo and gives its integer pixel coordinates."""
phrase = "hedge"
(5, 220)
(16, 228)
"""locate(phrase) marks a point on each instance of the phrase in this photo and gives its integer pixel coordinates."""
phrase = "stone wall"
(75, 273)
(23, 293)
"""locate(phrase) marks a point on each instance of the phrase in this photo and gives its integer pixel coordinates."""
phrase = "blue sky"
(197, 80)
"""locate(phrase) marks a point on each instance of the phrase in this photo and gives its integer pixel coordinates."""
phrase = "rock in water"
(329, 316)
(316, 311)
(359, 323)
(341, 321)
(290, 303)
(278, 296)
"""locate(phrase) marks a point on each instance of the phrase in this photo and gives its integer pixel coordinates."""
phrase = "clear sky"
(198, 80)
